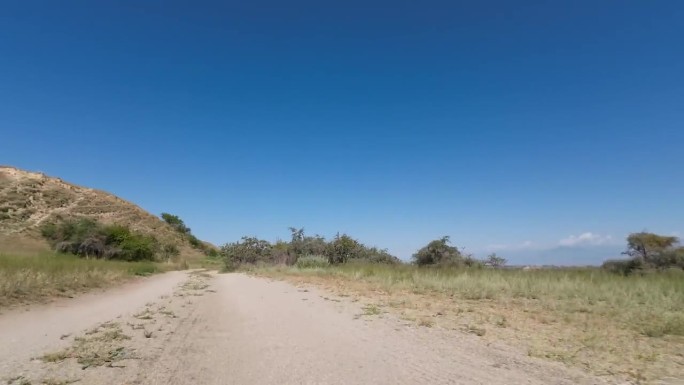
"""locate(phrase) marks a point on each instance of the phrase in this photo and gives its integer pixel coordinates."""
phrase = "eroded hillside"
(30, 199)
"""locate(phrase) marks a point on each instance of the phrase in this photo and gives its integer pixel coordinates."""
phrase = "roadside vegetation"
(34, 278)
(87, 254)
(611, 321)
(315, 251)
(90, 239)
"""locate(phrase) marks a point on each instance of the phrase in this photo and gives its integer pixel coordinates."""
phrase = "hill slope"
(30, 199)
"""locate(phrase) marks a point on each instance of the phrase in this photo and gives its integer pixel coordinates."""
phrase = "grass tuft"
(371, 310)
(98, 347)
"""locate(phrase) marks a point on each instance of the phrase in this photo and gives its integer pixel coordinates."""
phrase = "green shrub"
(249, 250)
(195, 242)
(175, 222)
(139, 247)
(343, 248)
(312, 262)
(438, 252)
(88, 238)
(301, 244)
(178, 225)
(116, 234)
(71, 231)
(375, 255)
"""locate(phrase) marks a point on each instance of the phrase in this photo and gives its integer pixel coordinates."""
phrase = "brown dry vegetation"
(29, 200)
(631, 327)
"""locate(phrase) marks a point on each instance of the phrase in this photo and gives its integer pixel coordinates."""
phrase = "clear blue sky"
(509, 125)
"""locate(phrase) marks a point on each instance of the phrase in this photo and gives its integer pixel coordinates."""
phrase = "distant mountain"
(30, 199)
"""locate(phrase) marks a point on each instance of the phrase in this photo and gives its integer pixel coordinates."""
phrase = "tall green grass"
(26, 278)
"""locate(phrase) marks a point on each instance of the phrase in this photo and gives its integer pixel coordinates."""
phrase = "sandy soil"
(201, 328)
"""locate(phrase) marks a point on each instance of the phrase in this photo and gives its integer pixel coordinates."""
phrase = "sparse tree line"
(306, 249)
(647, 252)
(90, 239)
(315, 251)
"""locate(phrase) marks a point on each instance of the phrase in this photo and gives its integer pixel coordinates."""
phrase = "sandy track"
(246, 330)
(24, 334)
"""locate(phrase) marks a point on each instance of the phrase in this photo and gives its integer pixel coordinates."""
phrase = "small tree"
(648, 246)
(342, 248)
(249, 250)
(301, 244)
(494, 260)
(648, 251)
(438, 252)
(297, 241)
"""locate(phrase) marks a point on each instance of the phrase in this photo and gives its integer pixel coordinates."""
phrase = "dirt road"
(235, 329)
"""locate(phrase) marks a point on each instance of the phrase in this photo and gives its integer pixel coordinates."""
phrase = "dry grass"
(37, 277)
(632, 327)
(101, 346)
(28, 200)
